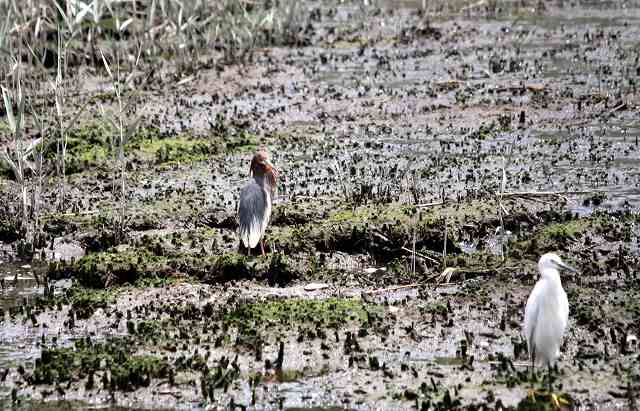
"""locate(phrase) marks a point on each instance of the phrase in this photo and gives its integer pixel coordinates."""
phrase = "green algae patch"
(137, 371)
(560, 231)
(173, 150)
(124, 370)
(92, 146)
(87, 147)
(380, 230)
(85, 301)
(331, 312)
(117, 266)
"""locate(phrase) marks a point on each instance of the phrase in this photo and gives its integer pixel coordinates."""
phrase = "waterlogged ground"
(392, 130)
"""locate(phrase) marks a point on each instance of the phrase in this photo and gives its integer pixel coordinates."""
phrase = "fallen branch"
(515, 364)
(394, 288)
(449, 271)
(433, 260)
(547, 193)
(80, 213)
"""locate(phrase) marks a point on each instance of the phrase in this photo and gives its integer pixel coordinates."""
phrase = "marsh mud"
(428, 157)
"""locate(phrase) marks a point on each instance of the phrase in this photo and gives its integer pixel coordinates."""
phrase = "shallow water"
(19, 283)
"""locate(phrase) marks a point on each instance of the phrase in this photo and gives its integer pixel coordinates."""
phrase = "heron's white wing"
(531, 311)
(563, 308)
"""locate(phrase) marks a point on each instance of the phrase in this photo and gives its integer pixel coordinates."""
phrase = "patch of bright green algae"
(564, 231)
(172, 150)
(92, 146)
(556, 235)
(330, 312)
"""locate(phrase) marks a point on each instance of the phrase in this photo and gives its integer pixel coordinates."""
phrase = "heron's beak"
(566, 267)
(271, 168)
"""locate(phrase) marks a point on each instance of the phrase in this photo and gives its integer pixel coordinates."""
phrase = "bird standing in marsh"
(547, 314)
(256, 199)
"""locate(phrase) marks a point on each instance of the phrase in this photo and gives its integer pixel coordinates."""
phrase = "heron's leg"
(248, 251)
(262, 246)
(549, 382)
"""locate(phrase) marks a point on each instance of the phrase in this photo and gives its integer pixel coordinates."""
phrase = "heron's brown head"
(261, 166)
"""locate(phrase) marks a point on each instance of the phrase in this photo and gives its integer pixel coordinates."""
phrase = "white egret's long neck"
(553, 276)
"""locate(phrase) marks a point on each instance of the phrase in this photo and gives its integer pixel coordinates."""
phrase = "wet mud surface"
(393, 131)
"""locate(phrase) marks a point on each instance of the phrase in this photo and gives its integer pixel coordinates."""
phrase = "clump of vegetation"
(114, 267)
(559, 232)
(90, 147)
(380, 230)
(85, 301)
(331, 312)
(127, 370)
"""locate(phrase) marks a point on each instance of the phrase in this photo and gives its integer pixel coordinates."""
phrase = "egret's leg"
(533, 366)
(532, 390)
(262, 246)
(549, 381)
(558, 401)
(248, 251)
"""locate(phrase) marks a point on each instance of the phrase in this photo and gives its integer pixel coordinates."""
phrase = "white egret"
(547, 314)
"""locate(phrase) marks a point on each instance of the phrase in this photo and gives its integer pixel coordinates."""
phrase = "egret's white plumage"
(547, 312)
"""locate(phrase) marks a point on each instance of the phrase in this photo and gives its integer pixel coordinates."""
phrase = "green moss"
(87, 147)
(564, 231)
(180, 149)
(376, 229)
(85, 301)
(137, 371)
(114, 267)
(331, 312)
(90, 146)
(561, 231)
(128, 371)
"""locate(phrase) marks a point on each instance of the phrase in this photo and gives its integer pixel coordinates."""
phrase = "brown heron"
(254, 208)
